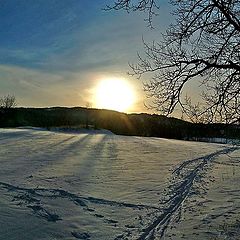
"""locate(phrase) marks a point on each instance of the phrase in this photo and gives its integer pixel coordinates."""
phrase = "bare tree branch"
(202, 46)
(148, 6)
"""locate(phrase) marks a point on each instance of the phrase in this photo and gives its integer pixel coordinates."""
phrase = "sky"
(55, 52)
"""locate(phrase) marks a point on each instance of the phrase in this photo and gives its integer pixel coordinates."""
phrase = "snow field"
(57, 185)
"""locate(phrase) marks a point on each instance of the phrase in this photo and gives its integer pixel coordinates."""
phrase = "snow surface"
(56, 185)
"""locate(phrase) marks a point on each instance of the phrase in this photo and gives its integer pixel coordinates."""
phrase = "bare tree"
(88, 105)
(8, 101)
(203, 45)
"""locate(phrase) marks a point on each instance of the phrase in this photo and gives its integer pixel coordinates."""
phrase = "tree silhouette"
(202, 45)
(7, 102)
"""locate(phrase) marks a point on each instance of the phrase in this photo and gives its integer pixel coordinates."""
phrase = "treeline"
(149, 125)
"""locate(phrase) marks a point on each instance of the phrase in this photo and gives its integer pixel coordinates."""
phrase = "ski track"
(29, 197)
(184, 177)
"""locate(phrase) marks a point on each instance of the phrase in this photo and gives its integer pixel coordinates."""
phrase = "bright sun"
(114, 94)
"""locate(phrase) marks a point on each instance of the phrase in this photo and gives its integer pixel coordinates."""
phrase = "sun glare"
(114, 94)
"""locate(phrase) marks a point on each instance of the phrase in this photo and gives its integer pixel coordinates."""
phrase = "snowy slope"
(56, 185)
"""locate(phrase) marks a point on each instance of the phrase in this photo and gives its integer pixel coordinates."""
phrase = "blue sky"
(54, 52)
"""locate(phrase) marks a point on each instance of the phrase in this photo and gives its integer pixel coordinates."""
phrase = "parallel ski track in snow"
(59, 193)
(183, 179)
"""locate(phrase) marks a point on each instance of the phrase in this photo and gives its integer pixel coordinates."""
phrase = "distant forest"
(148, 125)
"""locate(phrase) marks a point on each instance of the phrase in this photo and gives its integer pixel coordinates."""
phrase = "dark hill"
(119, 123)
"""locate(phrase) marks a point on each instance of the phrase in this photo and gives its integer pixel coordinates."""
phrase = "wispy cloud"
(54, 52)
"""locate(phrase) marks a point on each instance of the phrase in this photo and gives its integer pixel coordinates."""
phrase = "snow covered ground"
(56, 185)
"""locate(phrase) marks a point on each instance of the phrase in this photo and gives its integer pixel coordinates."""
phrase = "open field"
(102, 186)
